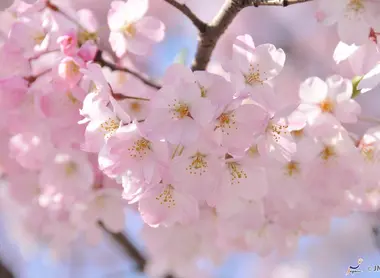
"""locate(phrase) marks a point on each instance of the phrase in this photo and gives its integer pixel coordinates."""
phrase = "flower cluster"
(213, 163)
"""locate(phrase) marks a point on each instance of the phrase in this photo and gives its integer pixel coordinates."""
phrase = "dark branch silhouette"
(5, 272)
(129, 249)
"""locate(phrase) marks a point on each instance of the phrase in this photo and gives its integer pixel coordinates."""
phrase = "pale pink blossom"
(31, 150)
(243, 182)
(69, 43)
(196, 168)
(12, 92)
(69, 69)
(332, 96)
(24, 188)
(101, 122)
(30, 35)
(131, 93)
(129, 150)
(353, 17)
(131, 29)
(163, 204)
(178, 113)
(69, 172)
(236, 126)
(252, 66)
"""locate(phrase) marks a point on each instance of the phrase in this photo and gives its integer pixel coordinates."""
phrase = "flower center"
(226, 121)
(368, 151)
(72, 68)
(298, 133)
(292, 168)
(253, 76)
(327, 152)
(277, 130)
(253, 151)
(71, 168)
(109, 127)
(236, 173)
(129, 30)
(198, 164)
(39, 38)
(139, 148)
(327, 106)
(179, 110)
(135, 106)
(166, 197)
(355, 5)
(84, 36)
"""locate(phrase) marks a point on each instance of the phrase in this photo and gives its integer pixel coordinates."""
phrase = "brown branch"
(99, 59)
(129, 249)
(5, 272)
(209, 38)
(190, 15)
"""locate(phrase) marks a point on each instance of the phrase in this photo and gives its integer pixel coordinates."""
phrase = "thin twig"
(190, 15)
(99, 59)
(128, 247)
(209, 38)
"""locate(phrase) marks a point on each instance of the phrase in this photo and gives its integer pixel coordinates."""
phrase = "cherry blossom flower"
(196, 169)
(129, 150)
(68, 172)
(131, 29)
(30, 35)
(163, 204)
(332, 96)
(253, 66)
(353, 17)
(178, 113)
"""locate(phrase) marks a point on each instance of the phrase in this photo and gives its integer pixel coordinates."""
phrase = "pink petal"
(313, 90)
(151, 28)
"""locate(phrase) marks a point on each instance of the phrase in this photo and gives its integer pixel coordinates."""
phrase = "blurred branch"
(281, 3)
(209, 38)
(129, 249)
(5, 272)
(99, 59)
(190, 15)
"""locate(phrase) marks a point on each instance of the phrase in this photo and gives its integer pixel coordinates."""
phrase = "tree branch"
(129, 249)
(5, 272)
(99, 59)
(281, 3)
(209, 38)
(190, 15)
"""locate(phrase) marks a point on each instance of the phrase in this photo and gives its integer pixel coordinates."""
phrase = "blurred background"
(309, 47)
